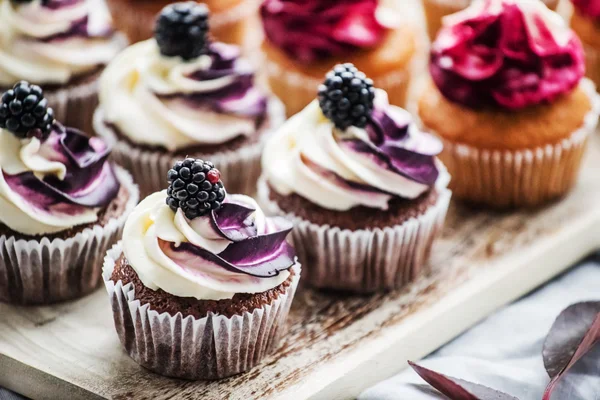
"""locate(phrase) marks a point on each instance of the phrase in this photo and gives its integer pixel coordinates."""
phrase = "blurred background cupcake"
(182, 94)
(435, 10)
(361, 183)
(510, 104)
(62, 46)
(214, 279)
(232, 21)
(63, 204)
(305, 39)
(585, 21)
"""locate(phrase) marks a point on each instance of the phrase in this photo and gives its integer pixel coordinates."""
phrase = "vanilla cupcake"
(63, 205)
(202, 282)
(509, 100)
(63, 47)
(305, 39)
(362, 185)
(181, 95)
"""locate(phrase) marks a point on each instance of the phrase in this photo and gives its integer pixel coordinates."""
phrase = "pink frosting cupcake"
(510, 103)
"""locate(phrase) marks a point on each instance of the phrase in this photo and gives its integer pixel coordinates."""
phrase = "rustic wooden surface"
(337, 344)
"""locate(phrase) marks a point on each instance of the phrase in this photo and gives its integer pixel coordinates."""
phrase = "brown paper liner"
(363, 261)
(240, 168)
(51, 271)
(435, 10)
(213, 347)
(296, 91)
(137, 20)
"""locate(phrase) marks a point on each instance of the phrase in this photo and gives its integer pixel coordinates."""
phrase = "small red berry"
(213, 176)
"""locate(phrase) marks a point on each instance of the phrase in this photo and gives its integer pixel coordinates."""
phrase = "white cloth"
(504, 351)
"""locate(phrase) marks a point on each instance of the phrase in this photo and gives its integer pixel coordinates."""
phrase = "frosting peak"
(506, 53)
(174, 103)
(339, 170)
(50, 186)
(53, 41)
(311, 30)
(234, 249)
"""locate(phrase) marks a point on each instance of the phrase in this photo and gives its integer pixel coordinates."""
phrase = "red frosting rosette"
(310, 30)
(506, 53)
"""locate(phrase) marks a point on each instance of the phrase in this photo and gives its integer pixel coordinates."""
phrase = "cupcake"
(586, 23)
(61, 46)
(232, 20)
(305, 39)
(202, 282)
(509, 102)
(181, 95)
(63, 204)
(436, 10)
(361, 183)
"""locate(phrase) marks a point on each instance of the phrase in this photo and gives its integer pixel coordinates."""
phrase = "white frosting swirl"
(152, 220)
(23, 155)
(130, 90)
(26, 53)
(309, 139)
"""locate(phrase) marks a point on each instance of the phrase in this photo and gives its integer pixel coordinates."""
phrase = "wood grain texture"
(336, 343)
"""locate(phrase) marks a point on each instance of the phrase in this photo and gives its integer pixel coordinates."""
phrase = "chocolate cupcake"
(510, 102)
(362, 185)
(181, 95)
(63, 204)
(233, 20)
(63, 47)
(202, 282)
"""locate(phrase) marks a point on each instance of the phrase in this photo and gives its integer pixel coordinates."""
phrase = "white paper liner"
(239, 168)
(50, 271)
(365, 260)
(213, 347)
(74, 105)
(520, 178)
(297, 90)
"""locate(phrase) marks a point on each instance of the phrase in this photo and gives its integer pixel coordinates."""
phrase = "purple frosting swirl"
(89, 181)
(260, 255)
(241, 97)
(80, 27)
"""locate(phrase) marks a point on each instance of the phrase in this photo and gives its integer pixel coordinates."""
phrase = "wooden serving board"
(337, 344)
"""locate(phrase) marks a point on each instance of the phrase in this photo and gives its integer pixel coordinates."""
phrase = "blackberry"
(182, 30)
(24, 111)
(195, 186)
(346, 97)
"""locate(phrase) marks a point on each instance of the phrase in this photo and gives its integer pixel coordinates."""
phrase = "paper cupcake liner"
(435, 10)
(137, 22)
(51, 271)
(363, 261)
(213, 347)
(296, 90)
(239, 168)
(519, 178)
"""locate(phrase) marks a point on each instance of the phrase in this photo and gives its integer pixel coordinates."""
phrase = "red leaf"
(458, 389)
(573, 334)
